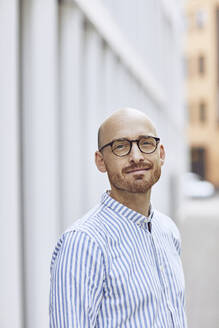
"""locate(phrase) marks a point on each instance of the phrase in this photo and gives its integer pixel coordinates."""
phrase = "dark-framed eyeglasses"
(122, 147)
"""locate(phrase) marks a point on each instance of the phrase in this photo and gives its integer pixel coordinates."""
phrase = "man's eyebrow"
(138, 137)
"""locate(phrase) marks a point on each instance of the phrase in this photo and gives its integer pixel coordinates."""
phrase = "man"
(119, 266)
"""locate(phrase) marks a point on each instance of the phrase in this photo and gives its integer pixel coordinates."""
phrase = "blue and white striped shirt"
(108, 270)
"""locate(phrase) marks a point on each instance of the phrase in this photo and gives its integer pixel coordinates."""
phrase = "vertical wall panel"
(121, 85)
(40, 153)
(72, 129)
(10, 251)
(90, 118)
(111, 81)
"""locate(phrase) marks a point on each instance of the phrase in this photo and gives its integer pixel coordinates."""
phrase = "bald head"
(128, 120)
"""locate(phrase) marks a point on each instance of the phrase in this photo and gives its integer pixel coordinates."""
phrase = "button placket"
(144, 225)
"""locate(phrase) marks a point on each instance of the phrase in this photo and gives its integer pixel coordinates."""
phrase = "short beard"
(120, 183)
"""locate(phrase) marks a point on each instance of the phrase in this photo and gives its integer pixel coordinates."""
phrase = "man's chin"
(139, 189)
(139, 185)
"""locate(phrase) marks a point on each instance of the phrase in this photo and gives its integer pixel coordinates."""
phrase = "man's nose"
(135, 154)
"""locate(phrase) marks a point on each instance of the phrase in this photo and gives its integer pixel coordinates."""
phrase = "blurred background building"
(64, 66)
(200, 217)
(202, 59)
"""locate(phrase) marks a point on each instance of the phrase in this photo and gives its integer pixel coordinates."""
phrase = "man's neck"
(138, 202)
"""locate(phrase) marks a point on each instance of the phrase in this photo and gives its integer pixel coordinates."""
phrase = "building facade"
(65, 65)
(202, 58)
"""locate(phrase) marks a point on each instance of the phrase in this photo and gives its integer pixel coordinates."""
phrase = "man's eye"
(146, 143)
(119, 146)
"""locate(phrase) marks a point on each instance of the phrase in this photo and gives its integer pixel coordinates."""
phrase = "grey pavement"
(199, 227)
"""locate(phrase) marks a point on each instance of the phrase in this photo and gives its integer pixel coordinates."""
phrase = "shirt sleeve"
(77, 275)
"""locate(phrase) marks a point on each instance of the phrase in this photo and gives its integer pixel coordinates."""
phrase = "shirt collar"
(121, 209)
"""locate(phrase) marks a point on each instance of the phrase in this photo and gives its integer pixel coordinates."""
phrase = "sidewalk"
(199, 226)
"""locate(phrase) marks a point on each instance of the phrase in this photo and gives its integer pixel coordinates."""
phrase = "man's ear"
(100, 162)
(162, 154)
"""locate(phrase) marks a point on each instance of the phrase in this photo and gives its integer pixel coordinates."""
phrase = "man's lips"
(138, 170)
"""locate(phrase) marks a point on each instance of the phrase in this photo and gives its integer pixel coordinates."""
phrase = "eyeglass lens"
(122, 147)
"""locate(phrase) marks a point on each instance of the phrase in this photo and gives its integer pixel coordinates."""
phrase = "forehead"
(128, 127)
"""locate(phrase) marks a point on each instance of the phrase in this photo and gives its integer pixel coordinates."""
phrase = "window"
(201, 18)
(202, 112)
(198, 161)
(196, 20)
(201, 65)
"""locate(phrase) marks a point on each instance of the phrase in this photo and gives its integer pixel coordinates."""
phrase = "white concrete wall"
(77, 61)
(10, 207)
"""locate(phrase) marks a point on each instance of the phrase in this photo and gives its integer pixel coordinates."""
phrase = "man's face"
(136, 172)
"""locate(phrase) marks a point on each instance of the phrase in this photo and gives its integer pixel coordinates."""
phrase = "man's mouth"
(138, 170)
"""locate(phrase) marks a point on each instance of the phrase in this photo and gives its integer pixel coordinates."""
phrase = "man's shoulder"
(87, 219)
(89, 224)
(88, 227)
